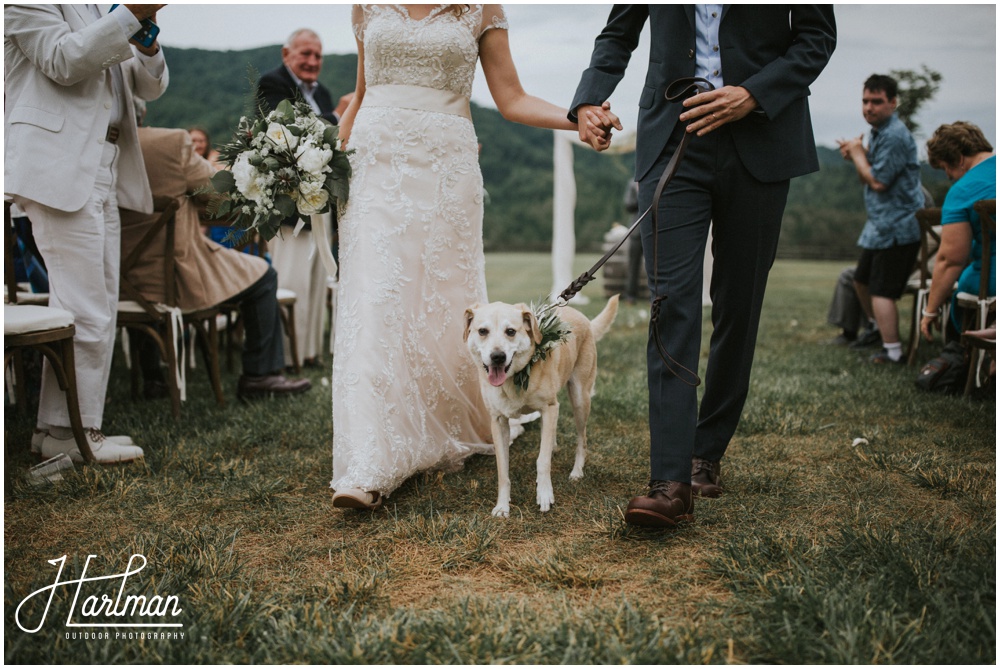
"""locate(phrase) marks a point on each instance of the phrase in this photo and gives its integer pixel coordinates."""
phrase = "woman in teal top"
(963, 152)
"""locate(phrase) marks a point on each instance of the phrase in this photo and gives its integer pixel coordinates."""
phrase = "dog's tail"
(602, 323)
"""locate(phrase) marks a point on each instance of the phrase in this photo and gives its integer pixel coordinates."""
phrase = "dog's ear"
(531, 324)
(470, 313)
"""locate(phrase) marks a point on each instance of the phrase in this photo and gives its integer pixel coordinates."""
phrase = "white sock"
(895, 351)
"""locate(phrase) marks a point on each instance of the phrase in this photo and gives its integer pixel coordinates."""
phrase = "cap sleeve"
(493, 17)
(359, 20)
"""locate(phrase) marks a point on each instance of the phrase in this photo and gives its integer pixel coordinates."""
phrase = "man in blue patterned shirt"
(890, 239)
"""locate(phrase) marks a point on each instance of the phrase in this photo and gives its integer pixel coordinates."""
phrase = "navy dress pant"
(711, 188)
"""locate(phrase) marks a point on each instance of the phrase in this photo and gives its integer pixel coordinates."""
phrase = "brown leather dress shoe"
(706, 479)
(251, 387)
(667, 504)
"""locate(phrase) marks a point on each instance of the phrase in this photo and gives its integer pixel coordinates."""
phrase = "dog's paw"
(545, 497)
(501, 511)
(576, 474)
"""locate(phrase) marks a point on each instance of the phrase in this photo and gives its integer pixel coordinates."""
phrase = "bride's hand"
(595, 124)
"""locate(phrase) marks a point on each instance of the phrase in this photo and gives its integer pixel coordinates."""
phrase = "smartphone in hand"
(147, 33)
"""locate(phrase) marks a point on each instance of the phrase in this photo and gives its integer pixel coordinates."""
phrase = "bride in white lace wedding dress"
(405, 395)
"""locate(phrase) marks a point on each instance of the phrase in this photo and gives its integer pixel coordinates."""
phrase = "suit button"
(107, 105)
(690, 53)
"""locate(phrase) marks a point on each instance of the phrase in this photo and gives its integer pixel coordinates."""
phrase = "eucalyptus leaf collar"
(554, 331)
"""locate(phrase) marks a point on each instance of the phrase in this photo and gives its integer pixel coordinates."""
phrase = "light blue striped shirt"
(708, 57)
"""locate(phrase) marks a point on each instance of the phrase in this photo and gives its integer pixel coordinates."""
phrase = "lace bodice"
(438, 51)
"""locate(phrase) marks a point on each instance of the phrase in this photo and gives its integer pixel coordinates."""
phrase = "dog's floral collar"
(554, 332)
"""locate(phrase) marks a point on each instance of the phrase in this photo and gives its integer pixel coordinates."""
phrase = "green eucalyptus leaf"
(223, 181)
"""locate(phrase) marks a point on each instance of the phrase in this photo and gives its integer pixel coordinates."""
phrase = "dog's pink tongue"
(497, 375)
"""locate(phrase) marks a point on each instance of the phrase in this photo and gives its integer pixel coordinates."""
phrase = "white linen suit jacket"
(58, 105)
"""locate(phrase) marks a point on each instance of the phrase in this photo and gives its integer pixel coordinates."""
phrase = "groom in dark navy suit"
(752, 134)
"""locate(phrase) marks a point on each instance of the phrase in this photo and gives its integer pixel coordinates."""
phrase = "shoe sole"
(699, 493)
(646, 518)
(345, 502)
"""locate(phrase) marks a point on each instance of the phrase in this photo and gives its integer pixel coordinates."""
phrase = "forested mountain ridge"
(825, 210)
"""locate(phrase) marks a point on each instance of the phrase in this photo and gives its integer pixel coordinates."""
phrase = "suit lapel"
(689, 13)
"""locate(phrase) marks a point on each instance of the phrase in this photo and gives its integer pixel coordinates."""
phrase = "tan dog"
(501, 339)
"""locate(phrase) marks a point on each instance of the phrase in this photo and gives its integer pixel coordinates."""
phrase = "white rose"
(315, 160)
(281, 136)
(312, 197)
(246, 177)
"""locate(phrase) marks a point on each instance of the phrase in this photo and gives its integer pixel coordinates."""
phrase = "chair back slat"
(987, 210)
(930, 239)
(166, 210)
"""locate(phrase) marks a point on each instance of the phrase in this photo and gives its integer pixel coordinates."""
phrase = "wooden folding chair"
(980, 308)
(137, 313)
(46, 329)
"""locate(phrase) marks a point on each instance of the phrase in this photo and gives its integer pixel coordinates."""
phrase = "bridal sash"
(421, 98)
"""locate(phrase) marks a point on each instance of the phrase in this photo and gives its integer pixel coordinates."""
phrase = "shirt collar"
(306, 88)
(876, 129)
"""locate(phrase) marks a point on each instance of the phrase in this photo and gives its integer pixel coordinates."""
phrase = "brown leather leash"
(684, 88)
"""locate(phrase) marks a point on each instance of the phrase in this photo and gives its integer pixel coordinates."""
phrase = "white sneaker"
(38, 436)
(104, 450)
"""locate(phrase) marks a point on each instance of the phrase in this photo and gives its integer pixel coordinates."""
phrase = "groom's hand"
(595, 124)
(711, 110)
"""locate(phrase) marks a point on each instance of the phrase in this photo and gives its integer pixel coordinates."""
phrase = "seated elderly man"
(207, 273)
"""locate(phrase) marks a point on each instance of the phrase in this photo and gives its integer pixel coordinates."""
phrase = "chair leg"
(914, 344)
(288, 321)
(135, 372)
(210, 353)
(20, 379)
(73, 400)
(167, 349)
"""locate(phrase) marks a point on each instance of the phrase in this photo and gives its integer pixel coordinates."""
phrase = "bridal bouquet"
(281, 164)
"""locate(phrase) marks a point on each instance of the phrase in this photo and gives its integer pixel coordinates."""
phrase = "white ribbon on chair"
(177, 325)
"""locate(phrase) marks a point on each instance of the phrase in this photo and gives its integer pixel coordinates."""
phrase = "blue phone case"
(147, 33)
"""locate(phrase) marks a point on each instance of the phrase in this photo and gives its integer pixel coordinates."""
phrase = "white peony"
(281, 136)
(312, 197)
(314, 160)
(252, 183)
(245, 176)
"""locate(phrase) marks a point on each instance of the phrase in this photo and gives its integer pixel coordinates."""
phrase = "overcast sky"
(551, 45)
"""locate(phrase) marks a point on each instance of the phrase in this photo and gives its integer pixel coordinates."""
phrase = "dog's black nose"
(498, 357)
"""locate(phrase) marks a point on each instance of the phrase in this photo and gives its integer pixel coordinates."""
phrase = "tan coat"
(207, 273)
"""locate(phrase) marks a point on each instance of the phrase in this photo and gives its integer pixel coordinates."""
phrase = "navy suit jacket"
(278, 85)
(774, 51)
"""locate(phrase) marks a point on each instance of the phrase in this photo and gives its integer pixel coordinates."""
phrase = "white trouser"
(299, 269)
(82, 253)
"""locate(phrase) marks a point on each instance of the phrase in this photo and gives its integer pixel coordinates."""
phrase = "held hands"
(711, 110)
(595, 124)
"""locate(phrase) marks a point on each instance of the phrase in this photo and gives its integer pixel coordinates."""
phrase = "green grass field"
(820, 551)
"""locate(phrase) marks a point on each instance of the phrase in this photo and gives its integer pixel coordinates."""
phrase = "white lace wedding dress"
(405, 393)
